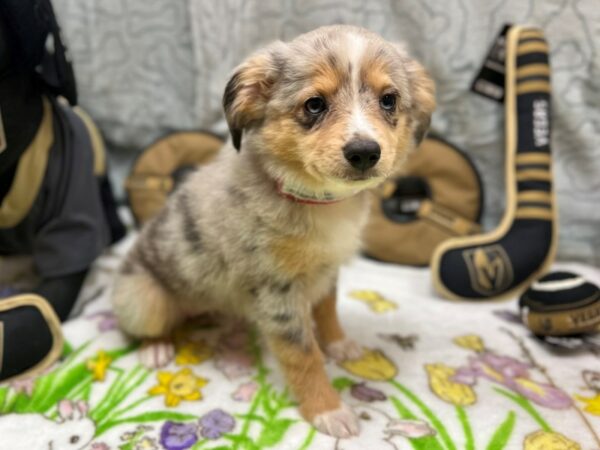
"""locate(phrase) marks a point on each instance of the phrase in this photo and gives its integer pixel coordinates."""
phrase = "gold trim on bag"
(30, 173)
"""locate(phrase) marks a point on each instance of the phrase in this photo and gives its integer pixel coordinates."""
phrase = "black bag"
(30, 23)
(34, 64)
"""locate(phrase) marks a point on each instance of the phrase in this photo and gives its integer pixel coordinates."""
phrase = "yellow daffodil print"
(442, 384)
(176, 387)
(374, 300)
(546, 440)
(592, 404)
(470, 342)
(372, 365)
(191, 353)
(99, 365)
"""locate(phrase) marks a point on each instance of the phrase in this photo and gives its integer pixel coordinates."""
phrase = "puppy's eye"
(315, 105)
(388, 102)
(74, 439)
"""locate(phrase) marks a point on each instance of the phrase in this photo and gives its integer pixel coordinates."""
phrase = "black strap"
(56, 68)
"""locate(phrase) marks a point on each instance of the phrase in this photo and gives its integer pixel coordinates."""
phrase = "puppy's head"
(337, 108)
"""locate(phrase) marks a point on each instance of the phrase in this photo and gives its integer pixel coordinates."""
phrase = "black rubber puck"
(561, 304)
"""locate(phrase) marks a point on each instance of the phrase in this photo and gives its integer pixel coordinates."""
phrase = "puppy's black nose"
(362, 154)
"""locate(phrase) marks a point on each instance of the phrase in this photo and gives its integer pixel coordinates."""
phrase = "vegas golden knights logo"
(490, 269)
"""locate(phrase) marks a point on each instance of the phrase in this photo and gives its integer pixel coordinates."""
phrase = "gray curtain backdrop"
(147, 67)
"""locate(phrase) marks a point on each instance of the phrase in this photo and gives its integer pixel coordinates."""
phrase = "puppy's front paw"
(339, 423)
(156, 354)
(343, 350)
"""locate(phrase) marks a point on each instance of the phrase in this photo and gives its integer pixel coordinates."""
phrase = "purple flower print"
(514, 375)
(507, 366)
(361, 391)
(492, 367)
(100, 446)
(178, 436)
(107, 322)
(465, 375)
(216, 423)
(541, 393)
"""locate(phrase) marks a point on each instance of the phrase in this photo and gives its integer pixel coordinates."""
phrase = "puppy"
(261, 232)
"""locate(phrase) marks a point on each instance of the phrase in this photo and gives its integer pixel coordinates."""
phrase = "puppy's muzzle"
(362, 154)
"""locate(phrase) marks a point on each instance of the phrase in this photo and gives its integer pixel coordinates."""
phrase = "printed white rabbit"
(73, 431)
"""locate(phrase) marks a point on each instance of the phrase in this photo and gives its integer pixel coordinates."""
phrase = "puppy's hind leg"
(147, 311)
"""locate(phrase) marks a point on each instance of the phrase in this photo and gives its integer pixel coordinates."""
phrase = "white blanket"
(437, 375)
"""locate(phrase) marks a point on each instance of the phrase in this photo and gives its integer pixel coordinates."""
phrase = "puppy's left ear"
(423, 99)
(249, 89)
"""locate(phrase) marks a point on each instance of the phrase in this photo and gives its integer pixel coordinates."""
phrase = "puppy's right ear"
(249, 89)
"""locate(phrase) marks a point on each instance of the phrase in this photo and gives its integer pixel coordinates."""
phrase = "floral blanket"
(435, 376)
